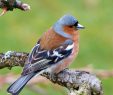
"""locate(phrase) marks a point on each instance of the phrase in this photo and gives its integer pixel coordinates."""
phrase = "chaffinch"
(53, 52)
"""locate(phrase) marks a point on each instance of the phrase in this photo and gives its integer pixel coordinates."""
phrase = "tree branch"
(11, 59)
(77, 82)
(11, 4)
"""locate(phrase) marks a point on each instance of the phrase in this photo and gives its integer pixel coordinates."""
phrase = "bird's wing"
(40, 59)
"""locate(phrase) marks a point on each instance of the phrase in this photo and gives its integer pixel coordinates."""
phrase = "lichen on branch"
(11, 59)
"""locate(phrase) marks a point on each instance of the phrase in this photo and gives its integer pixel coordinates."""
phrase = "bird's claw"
(4, 10)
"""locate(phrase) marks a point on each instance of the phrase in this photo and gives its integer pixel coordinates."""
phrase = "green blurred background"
(20, 30)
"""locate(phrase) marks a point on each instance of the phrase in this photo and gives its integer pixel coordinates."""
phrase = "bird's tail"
(18, 85)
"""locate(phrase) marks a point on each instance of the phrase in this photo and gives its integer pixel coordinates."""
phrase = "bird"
(54, 51)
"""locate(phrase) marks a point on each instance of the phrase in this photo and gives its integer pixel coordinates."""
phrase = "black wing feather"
(40, 59)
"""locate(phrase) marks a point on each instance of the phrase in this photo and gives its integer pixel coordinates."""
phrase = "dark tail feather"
(18, 85)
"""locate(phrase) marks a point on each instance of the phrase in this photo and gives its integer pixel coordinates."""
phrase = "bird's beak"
(79, 26)
(4, 10)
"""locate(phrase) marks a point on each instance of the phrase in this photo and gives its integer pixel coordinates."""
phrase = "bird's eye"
(76, 23)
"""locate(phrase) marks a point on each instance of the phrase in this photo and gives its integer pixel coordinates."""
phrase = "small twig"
(9, 5)
(23, 6)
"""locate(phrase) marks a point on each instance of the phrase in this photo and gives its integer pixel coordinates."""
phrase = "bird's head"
(66, 25)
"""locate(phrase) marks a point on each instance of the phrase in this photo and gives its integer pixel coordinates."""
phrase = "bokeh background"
(20, 30)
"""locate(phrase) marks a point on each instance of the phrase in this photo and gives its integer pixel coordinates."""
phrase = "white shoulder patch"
(55, 53)
(70, 47)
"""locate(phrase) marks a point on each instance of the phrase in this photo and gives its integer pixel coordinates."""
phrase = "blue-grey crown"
(67, 20)
(63, 21)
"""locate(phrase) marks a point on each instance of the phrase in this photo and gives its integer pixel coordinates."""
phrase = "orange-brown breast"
(67, 61)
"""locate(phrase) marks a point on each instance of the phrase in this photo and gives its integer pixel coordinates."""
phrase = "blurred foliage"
(20, 30)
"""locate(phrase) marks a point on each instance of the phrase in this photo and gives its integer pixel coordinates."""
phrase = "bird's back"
(51, 40)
